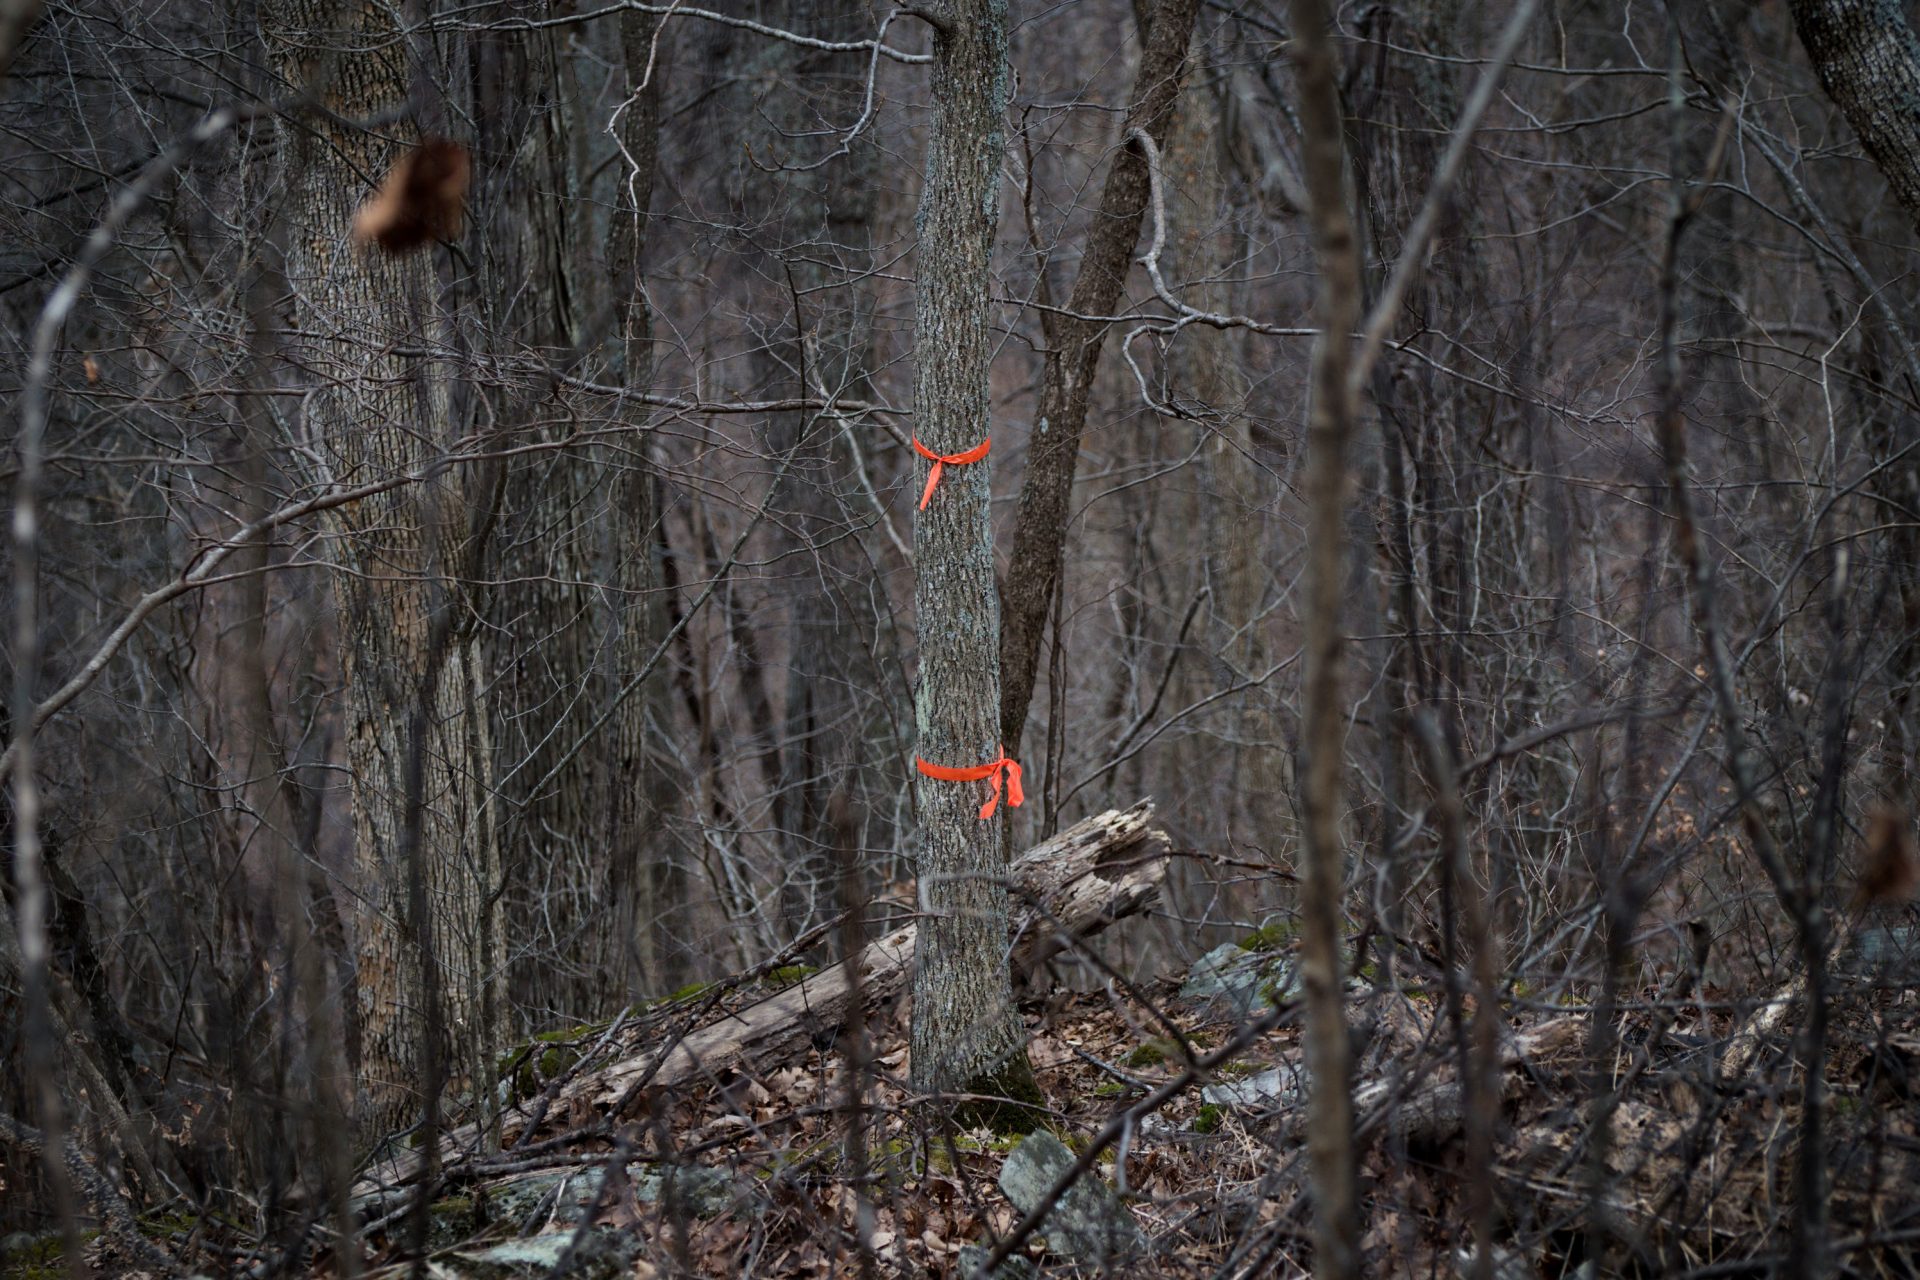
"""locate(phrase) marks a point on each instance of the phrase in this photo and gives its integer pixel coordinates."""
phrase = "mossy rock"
(1236, 982)
(1087, 1220)
(1275, 935)
(453, 1220)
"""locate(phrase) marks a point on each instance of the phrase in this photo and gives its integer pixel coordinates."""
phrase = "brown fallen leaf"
(421, 200)
(1890, 869)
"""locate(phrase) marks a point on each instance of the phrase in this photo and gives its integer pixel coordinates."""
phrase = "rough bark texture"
(1206, 372)
(1091, 875)
(1868, 59)
(578, 609)
(376, 413)
(1073, 356)
(1330, 1126)
(966, 1033)
(648, 873)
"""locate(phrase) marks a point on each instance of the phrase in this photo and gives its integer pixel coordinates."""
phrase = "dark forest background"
(431, 651)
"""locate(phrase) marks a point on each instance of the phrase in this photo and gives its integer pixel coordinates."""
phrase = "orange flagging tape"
(973, 773)
(939, 460)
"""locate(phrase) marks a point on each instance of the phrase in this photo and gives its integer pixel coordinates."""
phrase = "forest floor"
(762, 1174)
(785, 1170)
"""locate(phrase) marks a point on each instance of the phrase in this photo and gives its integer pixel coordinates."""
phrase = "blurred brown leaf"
(1890, 870)
(422, 199)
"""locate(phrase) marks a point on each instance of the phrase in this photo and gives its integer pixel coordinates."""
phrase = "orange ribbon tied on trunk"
(1005, 766)
(940, 460)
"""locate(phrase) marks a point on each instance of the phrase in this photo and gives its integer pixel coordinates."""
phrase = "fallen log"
(1096, 872)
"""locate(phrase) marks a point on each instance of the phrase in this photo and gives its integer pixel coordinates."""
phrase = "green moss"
(1110, 1089)
(452, 1220)
(689, 991)
(1209, 1117)
(45, 1257)
(159, 1226)
(1017, 1108)
(973, 1142)
(568, 1035)
(1152, 1053)
(1272, 936)
(41, 1259)
(1275, 992)
(528, 1066)
(788, 974)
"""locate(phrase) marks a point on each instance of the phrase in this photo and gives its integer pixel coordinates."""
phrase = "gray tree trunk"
(967, 1035)
(1074, 344)
(374, 412)
(1868, 59)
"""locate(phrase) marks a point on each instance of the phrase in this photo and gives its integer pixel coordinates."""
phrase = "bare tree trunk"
(1073, 356)
(1868, 58)
(375, 412)
(648, 875)
(1330, 423)
(967, 1035)
(1207, 376)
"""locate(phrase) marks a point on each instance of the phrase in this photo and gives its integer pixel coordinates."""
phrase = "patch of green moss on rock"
(1271, 936)
(1209, 1118)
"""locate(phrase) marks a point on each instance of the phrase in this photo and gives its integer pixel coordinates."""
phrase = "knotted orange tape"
(1005, 765)
(939, 460)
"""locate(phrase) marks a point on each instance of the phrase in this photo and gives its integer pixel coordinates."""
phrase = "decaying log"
(1088, 876)
(1098, 871)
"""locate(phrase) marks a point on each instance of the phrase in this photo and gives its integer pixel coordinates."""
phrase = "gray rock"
(973, 1257)
(1508, 1264)
(602, 1254)
(703, 1192)
(1238, 982)
(1886, 955)
(1088, 1222)
(543, 1199)
(1266, 1091)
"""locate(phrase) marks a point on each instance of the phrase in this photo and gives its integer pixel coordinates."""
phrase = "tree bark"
(967, 1035)
(1868, 60)
(373, 412)
(1073, 356)
(1330, 423)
